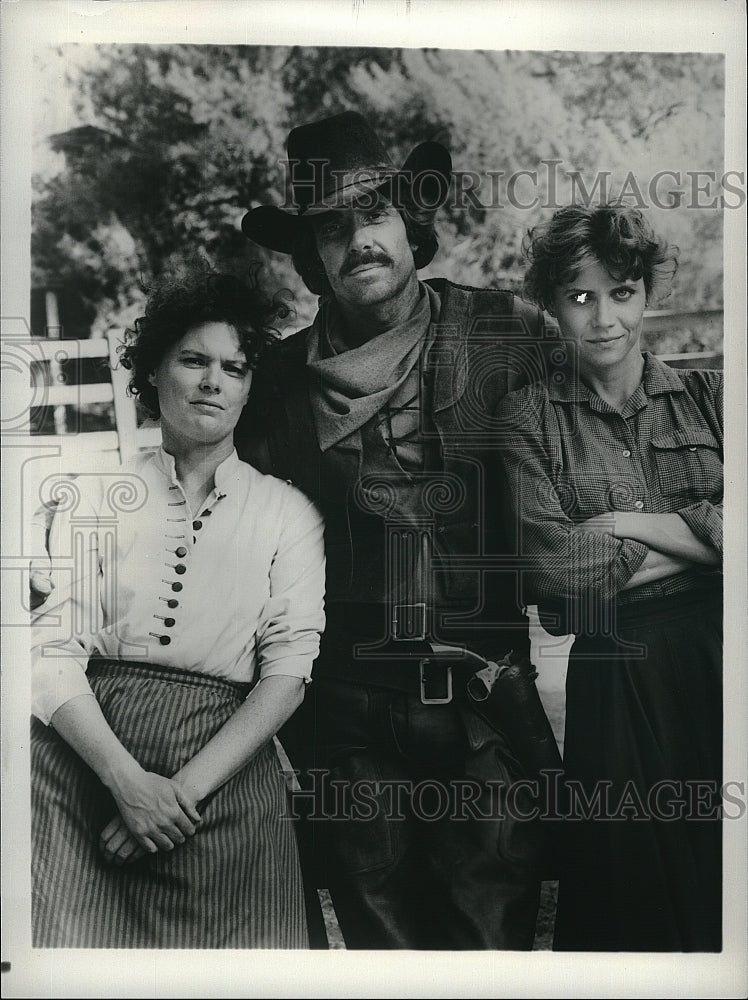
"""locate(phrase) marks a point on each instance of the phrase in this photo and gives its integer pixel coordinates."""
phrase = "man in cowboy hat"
(383, 414)
(415, 808)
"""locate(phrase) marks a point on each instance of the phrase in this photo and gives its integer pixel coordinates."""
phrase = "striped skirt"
(235, 884)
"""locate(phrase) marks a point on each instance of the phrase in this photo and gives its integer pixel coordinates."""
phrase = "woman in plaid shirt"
(615, 486)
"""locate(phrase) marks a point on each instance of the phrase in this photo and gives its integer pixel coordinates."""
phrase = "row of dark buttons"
(180, 569)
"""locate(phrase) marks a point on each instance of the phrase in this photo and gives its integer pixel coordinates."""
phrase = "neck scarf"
(352, 386)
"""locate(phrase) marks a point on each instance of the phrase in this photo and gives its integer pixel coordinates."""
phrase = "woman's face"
(602, 315)
(202, 382)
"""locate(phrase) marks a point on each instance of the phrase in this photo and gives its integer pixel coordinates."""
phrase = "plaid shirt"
(569, 455)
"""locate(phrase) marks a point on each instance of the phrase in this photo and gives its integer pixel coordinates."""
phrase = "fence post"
(53, 331)
(125, 416)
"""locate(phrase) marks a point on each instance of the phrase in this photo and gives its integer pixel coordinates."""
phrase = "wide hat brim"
(425, 175)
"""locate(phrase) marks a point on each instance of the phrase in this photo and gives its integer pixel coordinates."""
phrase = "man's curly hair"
(616, 235)
(187, 297)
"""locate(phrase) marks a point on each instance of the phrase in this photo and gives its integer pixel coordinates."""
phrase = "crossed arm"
(606, 554)
(673, 546)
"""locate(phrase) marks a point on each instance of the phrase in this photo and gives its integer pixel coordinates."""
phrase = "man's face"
(365, 252)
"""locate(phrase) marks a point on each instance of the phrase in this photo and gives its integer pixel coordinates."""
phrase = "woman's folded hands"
(154, 814)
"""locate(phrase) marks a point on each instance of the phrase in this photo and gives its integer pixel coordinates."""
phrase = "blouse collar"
(225, 476)
(658, 378)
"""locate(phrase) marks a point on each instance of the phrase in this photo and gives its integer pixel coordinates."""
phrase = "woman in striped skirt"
(170, 654)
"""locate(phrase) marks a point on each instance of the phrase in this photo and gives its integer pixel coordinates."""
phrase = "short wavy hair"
(419, 227)
(187, 297)
(618, 236)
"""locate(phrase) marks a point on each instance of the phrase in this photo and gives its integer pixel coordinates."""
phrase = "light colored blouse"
(233, 590)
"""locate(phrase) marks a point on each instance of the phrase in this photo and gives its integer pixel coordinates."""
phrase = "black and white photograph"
(374, 498)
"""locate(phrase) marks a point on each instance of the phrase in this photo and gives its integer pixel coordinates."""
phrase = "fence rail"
(665, 328)
(127, 438)
(664, 320)
(704, 359)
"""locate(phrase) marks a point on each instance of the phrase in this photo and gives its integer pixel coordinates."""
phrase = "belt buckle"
(423, 666)
(409, 621)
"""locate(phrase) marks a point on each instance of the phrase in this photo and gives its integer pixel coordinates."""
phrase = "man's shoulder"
(293, 346)
(445, 287)
(487, 303)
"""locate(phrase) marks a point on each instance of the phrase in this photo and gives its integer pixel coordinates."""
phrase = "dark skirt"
(641, 838)
(234, 884)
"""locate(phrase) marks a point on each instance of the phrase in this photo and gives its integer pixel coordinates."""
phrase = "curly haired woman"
(163, 671)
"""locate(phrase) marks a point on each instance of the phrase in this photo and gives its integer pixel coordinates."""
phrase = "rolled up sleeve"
(63, 628)
(293, 617)
(56, 679)
(558, 558)
(705, 520)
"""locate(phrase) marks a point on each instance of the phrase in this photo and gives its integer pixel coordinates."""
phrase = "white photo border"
(582, 25)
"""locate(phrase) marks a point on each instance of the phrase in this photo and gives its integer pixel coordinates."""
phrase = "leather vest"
(487, 343)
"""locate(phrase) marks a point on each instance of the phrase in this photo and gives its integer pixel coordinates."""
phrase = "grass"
(546, 917)
(543, 929)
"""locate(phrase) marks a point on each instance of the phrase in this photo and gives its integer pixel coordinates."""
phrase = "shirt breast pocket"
(689, 464)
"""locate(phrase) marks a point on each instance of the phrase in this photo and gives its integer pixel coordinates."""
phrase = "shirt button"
(181, 552)
(639, 504)
(197, 525)
(180, 568)
(627, 453)
(176, 587)
(173, 603)
(164, 640)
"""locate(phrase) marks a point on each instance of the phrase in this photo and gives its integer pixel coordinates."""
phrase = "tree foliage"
(185, 138)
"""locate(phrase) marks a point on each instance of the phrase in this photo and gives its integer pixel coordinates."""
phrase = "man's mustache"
(367, 257)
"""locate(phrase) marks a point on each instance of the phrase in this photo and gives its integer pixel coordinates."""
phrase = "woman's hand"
(119, 845)
(40, 582)
(155, 810)
(673, 547)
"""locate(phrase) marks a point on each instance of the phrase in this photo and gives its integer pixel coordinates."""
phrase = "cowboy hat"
(337, 160)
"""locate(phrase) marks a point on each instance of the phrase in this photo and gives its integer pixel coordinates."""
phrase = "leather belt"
(433, 672)
(430, 682)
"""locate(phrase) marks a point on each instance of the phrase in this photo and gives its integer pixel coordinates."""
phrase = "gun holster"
(504, 695)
